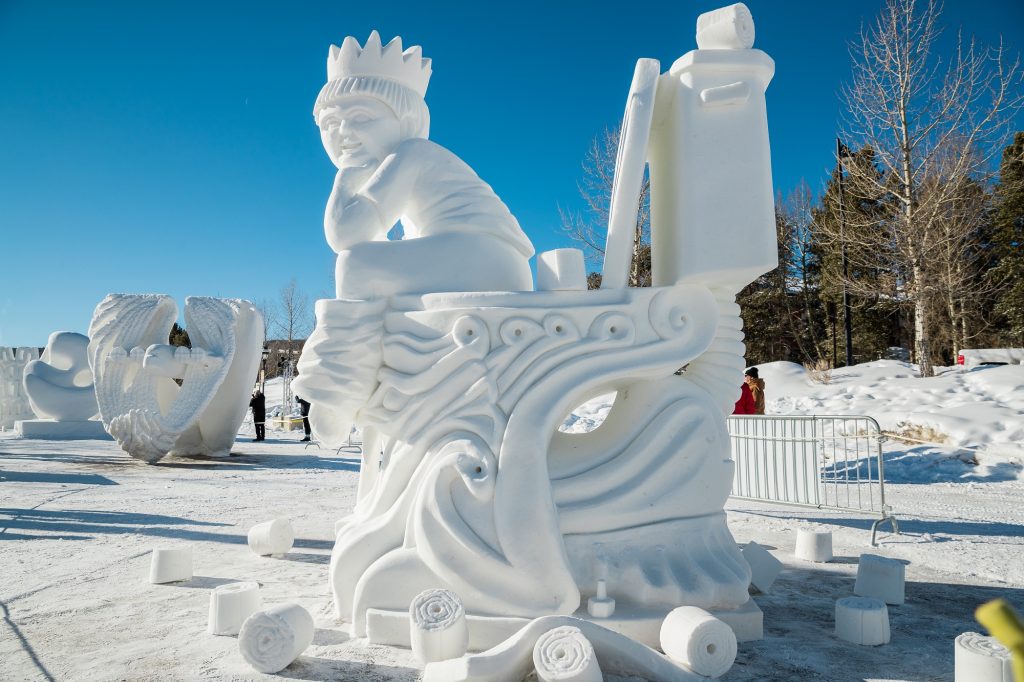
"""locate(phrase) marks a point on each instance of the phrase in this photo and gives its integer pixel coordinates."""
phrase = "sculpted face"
(359, 131)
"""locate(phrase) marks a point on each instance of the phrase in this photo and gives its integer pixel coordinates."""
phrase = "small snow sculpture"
(14, 403)
(601, 605)
(170, 565)
(813, 545)
(981, 659)
(880, 577)
(273, 537)
(271, 640)
(137, 373)
(231, 605)
(59, 384)
(514, 658)
(60, 389)
(862, 620)
(764, 567)
(437, 626)
(459, 375)
(564, 654)
(698, 640)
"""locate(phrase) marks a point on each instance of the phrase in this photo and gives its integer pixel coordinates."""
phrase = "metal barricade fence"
(821, 461)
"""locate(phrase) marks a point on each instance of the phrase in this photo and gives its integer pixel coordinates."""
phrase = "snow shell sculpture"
(156, 399)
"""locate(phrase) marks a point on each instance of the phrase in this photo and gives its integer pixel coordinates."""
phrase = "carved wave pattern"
(457, 382)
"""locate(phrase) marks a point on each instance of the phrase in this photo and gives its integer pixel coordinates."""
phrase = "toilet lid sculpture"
(459, 375)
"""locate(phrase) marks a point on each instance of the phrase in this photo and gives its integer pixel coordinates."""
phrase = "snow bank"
(966, 416)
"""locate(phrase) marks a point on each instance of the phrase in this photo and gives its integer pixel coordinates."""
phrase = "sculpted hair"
(409, 107)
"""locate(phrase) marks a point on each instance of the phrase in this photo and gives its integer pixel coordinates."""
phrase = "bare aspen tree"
(294, 317)
(590, 229)
(933, 122)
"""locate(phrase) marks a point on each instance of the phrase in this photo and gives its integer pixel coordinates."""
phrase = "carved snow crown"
(372, 60)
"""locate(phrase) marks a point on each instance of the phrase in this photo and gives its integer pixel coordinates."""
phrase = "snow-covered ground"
(78, 519)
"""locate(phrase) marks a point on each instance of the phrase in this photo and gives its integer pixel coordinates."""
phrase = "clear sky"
(169, 147)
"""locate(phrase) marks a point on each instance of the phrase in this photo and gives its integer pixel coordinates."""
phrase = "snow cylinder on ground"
(862, 620)
(981, 659)
(170, 564)
(813, 545)
(880, 577)
(564, 654)
(270, 640)
(693, 637)
(231, 605)
(437, 626)
(271, 537)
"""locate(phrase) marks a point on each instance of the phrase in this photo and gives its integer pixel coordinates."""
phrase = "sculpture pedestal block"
(48, 429)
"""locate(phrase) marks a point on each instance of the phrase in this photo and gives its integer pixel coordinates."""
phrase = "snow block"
(271, 537)
(564, 654)
(862, 620)
(880, 577)
(698, 640)
(231, 605)
(170, 565)
(764, 567)
(981, 659)
(437, 626)
(270, 640)
(561, 270)
(813, 545)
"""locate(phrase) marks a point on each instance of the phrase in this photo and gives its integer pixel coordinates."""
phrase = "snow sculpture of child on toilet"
(459, 374)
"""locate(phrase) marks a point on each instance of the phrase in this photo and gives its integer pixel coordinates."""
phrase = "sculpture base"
(392, 627)
(48, 429)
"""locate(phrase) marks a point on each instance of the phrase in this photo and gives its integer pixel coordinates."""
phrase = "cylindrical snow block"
(813, 545)
(698, 640)
(437, 626)
(564, 654)
(230, 605)
(981, 659)
(271, 537)
(561, 270)
(270, 640)
(728, 28)
(862, 620)
(170, 564)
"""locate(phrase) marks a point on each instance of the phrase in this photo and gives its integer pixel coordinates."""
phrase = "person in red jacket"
(745, 405)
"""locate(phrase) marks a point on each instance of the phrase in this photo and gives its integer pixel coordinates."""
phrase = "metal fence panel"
(822, 461)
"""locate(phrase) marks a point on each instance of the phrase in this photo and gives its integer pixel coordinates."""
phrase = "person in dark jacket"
(304, 409)
(745, 405)
(259, 413)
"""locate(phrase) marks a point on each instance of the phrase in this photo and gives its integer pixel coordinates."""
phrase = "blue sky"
(170, 148)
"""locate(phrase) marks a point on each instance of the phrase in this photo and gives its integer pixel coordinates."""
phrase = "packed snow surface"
(78, 520)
